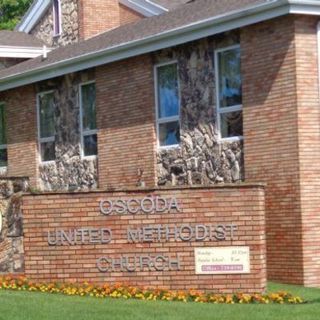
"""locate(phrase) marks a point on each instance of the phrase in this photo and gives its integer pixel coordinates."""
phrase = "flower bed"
(129, 292)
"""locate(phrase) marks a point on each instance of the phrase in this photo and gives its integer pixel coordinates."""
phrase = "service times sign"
(222, 260)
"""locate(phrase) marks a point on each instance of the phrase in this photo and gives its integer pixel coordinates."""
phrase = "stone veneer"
(11, 233)
(201, 158)
(70, 25)
(69, 171)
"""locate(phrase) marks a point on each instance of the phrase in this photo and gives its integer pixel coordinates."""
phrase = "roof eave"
(33, 15)
(145, 8)
(163, 40)
(22, 52)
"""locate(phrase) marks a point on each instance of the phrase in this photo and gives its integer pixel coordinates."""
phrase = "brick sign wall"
(149, 238)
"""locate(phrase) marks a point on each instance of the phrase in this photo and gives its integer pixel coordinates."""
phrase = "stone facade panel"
(69, 171)
(11, 231)
(201, 158)
(69, 25)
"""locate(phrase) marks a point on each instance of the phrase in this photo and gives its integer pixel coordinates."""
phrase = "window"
(3, 137)
(167, 104)
(88, 119)
(229, 92)
(46, 127)
(56, 17)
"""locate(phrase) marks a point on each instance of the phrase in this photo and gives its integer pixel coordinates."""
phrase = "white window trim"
(47, 139)
(165, 119)
(3, 146)
(219, 110)
(84, 133)
(54, 34)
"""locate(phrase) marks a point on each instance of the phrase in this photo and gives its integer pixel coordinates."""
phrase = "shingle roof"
(18, 39)
(170, 4)
(145, 28)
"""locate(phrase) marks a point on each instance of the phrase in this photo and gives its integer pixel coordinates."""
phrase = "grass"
(40, 306)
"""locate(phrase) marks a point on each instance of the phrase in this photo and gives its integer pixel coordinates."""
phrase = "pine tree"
(11, 12)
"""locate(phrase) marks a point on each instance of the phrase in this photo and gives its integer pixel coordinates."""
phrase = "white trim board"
(144, 7)
(56, 15)
(33, 15)
(173, 37)
(21, 52)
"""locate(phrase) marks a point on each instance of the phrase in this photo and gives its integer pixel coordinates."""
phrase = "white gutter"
(21, 52)
(144, 7)
(304, 6)
(33, 15)
(193, 31)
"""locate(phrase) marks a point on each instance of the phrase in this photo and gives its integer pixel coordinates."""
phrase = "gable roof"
(15, 44)
(147, 8)
(18, 39)
(189, 22)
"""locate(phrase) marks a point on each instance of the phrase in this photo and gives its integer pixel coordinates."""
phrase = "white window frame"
(84, 133)
(43, 140)
(54, 13)
(3, 146)
(166, 119)
(219, 110)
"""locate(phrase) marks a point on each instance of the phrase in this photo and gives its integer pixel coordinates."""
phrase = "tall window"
(56, 17)
(3, 137)
(167, 104)
(229, 92)
(46, 127)
(88, 119)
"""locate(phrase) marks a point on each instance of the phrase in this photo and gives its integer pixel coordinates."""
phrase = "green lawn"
(40, 306)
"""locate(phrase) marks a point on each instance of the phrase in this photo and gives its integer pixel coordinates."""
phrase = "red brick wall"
(97, 16)
(22, 133)
(242, 205)
(127, 15)
(126, 122)
(281, 129)
(309, 143)
(271, 139)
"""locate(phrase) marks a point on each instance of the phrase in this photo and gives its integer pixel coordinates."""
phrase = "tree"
(11, 12)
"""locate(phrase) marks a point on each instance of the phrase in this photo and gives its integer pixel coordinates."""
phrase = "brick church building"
(111, 94)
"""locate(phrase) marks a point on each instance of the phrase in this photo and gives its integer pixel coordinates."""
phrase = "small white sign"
(222, 260)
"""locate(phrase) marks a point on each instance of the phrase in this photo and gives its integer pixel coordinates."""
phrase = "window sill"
(48, 162)
(174, 146)
(3, 170)
(231, 139)
(94, 157)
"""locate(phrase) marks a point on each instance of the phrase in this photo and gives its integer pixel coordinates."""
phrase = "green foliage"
(18, 305)
(11, 12)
